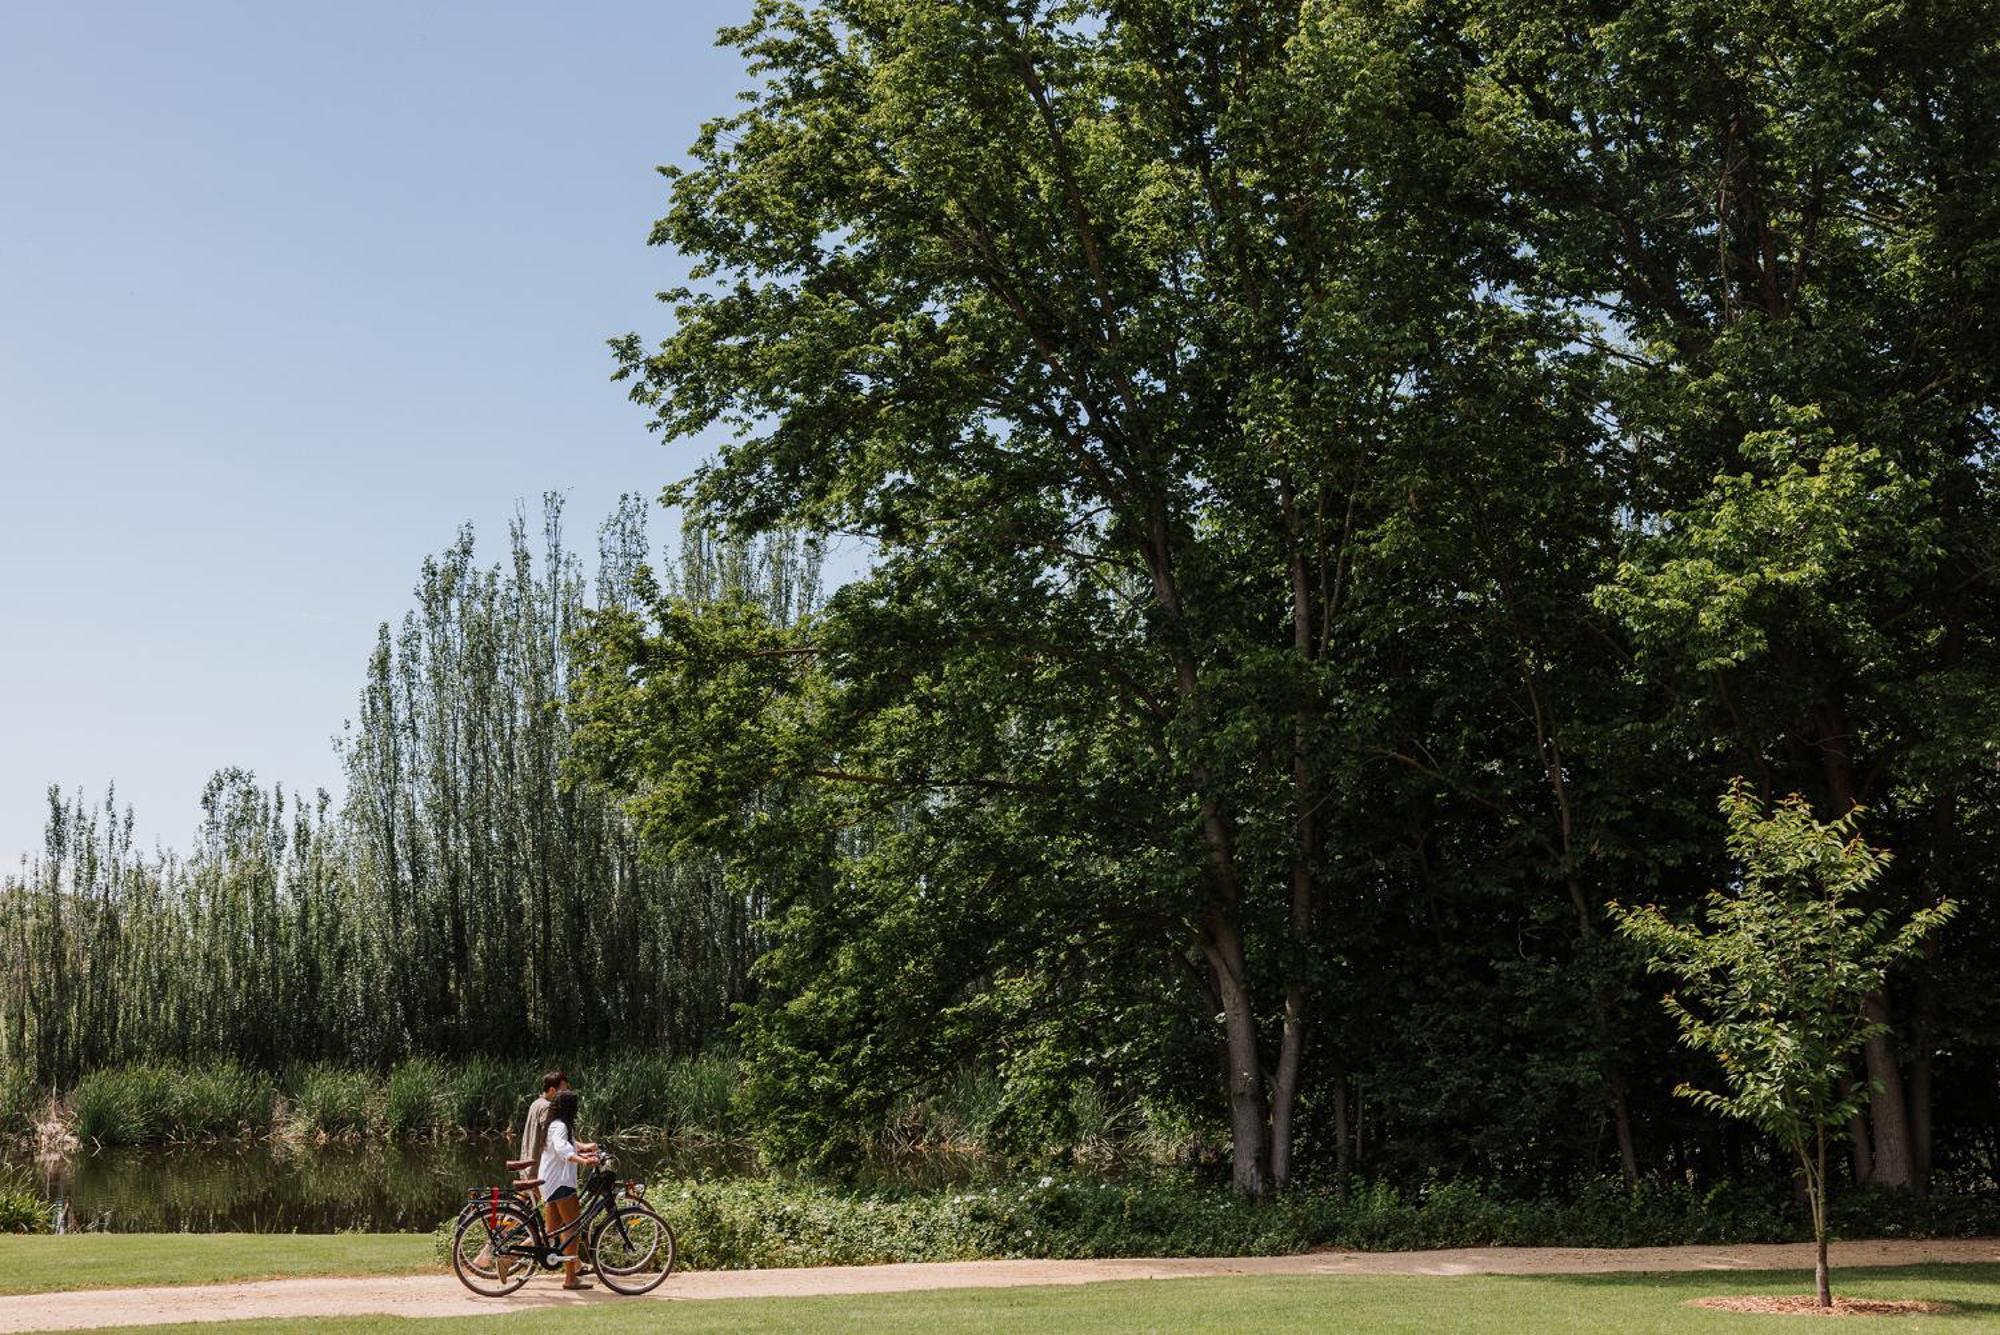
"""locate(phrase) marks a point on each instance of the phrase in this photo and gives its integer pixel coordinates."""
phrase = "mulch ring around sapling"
(1806, 1305)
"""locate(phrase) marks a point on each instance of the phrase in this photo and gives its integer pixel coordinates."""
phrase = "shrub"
(22, 1209)
(642, 1091)
(418, 1100)
(487, 1095)
(331, 1102)
(143, 1105)
(220, 1099)
(765, 1223)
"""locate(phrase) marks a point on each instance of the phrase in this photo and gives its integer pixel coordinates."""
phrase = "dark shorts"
(559, 1194)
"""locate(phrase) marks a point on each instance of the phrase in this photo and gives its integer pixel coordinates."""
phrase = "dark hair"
(551, 1080)
(562, 1108)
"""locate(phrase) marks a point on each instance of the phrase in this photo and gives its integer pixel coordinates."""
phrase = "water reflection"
(275, 1188)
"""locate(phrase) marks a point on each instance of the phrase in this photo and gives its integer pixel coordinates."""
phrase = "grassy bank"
(1583, 1305)
(157, 1104)
(132, 1260)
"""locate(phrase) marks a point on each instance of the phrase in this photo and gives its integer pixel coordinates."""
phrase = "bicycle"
(500, 1241)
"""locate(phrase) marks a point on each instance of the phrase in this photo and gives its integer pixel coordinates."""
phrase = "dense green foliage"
(777, 1223)
(135, 1105)
(1351, 483)
(22, 1210)
(1347, 485)
(630, 1093)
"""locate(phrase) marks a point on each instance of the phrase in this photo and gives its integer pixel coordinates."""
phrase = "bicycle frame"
(549, 1247)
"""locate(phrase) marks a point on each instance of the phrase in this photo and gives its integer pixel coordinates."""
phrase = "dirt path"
(441, 1295)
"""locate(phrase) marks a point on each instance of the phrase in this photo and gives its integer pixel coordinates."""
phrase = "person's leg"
(572, 1272)
(552, 1215)
(562, 1213)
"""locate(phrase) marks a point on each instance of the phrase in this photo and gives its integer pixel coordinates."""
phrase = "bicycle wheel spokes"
(634, 1249)
(480, 1252)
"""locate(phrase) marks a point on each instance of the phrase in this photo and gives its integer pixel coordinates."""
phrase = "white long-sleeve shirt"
(557, 1170)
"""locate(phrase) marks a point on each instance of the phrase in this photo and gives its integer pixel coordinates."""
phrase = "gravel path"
(441, 1295)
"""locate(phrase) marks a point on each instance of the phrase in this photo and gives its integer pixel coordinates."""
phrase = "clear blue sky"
(288, 292)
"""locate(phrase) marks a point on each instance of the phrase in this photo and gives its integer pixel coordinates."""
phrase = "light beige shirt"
(534, 1131)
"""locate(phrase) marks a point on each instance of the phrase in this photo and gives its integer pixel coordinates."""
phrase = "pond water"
(276, 1188)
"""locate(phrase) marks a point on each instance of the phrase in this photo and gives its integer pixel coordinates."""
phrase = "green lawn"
(1625, 1303)
(129, 1260)
(1422, 1306)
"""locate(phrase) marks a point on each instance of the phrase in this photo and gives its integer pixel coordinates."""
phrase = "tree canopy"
(1349, 483)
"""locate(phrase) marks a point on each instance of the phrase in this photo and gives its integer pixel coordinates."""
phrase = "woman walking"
(561, 1153)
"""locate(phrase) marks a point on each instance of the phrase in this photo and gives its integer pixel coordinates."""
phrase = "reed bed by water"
(143, 1104)
(423, 1098)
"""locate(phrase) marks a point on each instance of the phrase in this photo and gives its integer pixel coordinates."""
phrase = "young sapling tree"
(1774, 979)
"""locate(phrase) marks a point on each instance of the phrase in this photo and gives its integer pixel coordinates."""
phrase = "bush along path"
(773, 1223)
(440, 1296)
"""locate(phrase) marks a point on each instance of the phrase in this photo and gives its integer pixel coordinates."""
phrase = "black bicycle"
(500, 1240)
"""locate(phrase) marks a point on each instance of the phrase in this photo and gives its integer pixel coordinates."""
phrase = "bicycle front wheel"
(481, 1246)
(633, 1249)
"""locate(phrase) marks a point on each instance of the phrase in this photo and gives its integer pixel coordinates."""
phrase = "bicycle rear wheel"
(633, 1249)
(479, 1250)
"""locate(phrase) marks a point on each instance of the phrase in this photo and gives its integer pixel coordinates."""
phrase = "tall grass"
(333, 1103)
(22, 1209)
(691, 1096)
(488, 1096)
(19, 1100)
(417, 1100)
(959, 1117)
(423, 1097)
(138, 1105)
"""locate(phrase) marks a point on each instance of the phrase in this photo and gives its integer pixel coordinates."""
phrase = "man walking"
(534, 1130)
(535, 1127)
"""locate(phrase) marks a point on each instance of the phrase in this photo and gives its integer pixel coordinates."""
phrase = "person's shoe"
(578, 1284)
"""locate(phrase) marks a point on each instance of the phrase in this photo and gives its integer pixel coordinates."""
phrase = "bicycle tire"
(631, 1274)
(504, 1224)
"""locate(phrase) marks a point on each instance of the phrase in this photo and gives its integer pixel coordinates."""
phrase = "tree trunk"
(1822, 1280)
(1894, 1163)
(1864, 1160)
(1343, 1145)
(1249, 1127)
(1920, 1122)
(1285, 1086)
(1222, 944)
(1621, 1118)
(1922, 1028)
(1305, 858)
(1550, 749)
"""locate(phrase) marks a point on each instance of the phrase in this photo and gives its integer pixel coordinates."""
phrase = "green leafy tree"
(1779, 218)
(1112, 326)
(1775, 979)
